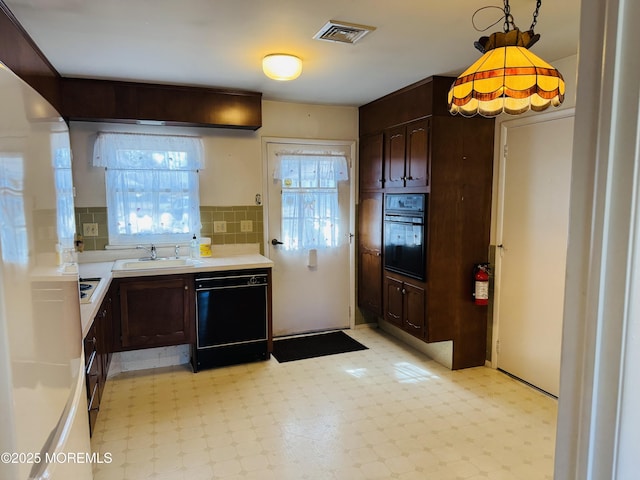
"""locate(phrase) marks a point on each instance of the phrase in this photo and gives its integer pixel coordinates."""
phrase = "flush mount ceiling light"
(280, 66)
(508, 77)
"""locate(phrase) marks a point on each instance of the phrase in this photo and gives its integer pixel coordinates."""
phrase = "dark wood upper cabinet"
(371, 162)
(417, 154)
(395, 147)
(104, 100)
(425, 98)
(407, 153)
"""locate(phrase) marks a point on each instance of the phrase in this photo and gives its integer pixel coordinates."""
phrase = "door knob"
(275, 241)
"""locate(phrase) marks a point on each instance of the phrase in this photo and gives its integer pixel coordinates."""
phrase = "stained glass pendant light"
(508, 77)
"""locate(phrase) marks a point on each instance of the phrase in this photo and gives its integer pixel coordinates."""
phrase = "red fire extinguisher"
(481, 289)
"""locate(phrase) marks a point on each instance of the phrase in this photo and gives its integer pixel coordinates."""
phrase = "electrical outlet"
(90, 229)
(246, 225)
(220, 226)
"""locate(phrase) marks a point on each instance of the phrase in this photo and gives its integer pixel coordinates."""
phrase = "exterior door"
(533, 232)
(308, 235)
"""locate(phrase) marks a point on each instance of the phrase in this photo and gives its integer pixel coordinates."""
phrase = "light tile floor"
(384, 413)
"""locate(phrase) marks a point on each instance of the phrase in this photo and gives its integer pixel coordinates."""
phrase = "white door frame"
(500, 168)
(351, 144)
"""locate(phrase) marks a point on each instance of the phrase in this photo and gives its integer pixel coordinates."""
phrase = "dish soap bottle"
(194, 248)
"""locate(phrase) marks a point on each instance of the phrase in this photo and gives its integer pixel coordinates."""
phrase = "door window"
(310, 210)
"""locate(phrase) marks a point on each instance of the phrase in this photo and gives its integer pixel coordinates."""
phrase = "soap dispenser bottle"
(194, 249)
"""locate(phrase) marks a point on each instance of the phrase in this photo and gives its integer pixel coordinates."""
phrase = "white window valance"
(132, 151)
(301, 168)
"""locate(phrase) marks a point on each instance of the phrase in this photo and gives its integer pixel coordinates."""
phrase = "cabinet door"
(371, 161)
(370, 252)
(104, 335)
(395, 147)
(370, 282)
(93, 375)
(393, 300)
(414, 310)
(417, 155)
(155, 311)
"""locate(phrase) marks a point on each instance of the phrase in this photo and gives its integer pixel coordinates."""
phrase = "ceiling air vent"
(342, 32)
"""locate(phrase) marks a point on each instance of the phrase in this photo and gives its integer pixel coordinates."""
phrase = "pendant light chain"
(508, 18)
(535, 15)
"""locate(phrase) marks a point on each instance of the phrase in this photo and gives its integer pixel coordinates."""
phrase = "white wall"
(233, 158)
(568, 67)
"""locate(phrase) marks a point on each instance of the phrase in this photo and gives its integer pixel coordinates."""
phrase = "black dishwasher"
(231, 318)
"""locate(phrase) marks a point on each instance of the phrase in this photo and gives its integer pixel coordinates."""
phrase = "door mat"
(310, 346)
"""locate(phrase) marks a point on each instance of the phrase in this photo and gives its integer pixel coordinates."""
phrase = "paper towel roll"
(312, 262)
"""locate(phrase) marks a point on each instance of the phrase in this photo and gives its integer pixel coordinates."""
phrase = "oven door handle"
(397, 222)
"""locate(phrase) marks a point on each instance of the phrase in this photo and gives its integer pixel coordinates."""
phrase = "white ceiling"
(220, 43)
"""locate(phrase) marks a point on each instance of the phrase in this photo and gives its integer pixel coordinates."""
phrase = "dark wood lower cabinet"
(414, 310)
(393, 301)
(405, 305)
(92, 376)
(97, 355)
(369, 281)
(155, 311)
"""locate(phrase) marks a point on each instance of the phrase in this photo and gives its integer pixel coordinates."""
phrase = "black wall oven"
(404, 234)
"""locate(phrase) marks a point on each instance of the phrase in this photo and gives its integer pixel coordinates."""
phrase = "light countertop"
(102, 270)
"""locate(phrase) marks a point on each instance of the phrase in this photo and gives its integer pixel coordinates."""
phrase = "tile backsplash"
(231, 219)
(93, 215)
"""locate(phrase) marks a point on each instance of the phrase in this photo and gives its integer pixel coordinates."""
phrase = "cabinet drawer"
(92, 374)
(94, 407)
(90, 343)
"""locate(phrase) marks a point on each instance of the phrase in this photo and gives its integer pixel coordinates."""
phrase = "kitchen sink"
(147, 264)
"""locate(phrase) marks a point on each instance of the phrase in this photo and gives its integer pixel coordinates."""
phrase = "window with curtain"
(152, 186)
(13, 231)
(310, 210)
(65, 221)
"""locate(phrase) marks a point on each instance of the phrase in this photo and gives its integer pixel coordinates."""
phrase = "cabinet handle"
(404, 292)
(186, 287)
(412, 325)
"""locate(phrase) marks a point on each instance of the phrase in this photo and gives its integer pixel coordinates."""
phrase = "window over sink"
(152, 186)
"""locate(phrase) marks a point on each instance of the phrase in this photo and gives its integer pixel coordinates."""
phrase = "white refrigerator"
(43, 410)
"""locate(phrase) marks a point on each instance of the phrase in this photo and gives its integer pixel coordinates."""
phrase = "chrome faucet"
(152, 252)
